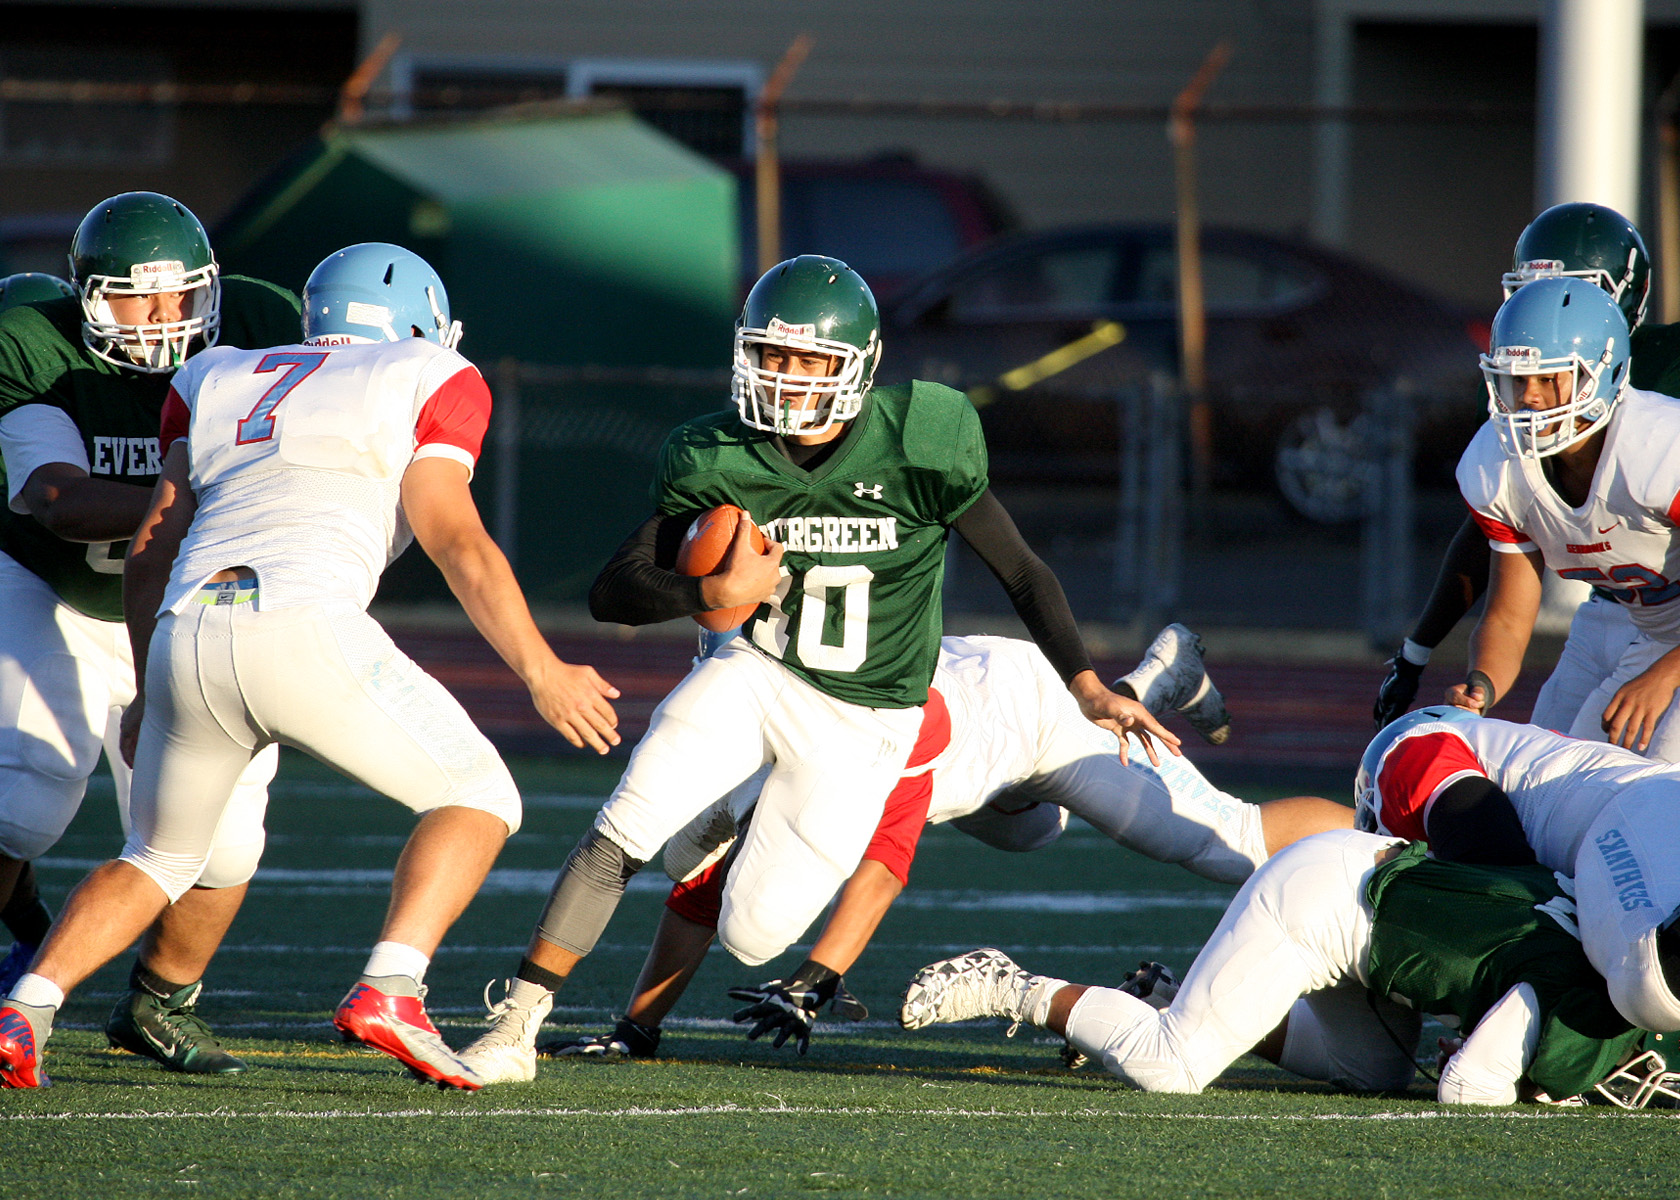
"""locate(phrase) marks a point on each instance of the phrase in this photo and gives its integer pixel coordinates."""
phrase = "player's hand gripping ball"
(702, 552)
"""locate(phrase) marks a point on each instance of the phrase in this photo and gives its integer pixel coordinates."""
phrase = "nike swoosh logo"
(1610, 526)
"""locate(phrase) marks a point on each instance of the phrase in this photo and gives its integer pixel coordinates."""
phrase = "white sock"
(1041, 990)
(394, 958)
(524, 993)
(37, 991)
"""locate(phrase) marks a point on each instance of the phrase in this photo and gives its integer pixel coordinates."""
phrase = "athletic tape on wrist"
(1479, 679)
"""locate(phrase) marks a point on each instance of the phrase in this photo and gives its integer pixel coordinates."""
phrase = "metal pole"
(1591, 60)
(507, 459)
(767, 175)
(1668, 202)
(1192, 311)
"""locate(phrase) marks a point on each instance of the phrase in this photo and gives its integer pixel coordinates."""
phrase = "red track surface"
(1283, 715)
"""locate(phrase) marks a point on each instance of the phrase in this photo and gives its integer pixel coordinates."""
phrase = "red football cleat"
(391, 1018)
(20, 1050)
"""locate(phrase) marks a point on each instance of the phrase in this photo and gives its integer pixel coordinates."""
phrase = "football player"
(1582, 241)
(291, 478)
(1487, 791)
(1323, 963)
(83, 377)
(857, 489)
(1576, 472)
(1005, 756)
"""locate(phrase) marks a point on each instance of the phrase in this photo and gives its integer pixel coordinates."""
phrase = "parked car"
(1045, 330)
(889, 218)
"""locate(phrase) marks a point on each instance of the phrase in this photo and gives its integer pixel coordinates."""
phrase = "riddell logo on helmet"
(151, 271)
(1542, 264)
(1518, 353)
(781, 328)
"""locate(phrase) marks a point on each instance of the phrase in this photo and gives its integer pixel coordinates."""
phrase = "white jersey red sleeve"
(454, 418)
(1415, 771)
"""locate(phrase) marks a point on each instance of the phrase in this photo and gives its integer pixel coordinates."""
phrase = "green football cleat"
(169, 1030)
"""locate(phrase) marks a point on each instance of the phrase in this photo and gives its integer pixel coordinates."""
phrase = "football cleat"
(388, 1014)
(508, 1052)
(169, 1030)
(981, 983)
(1172, 677)
(15, 965)
(23, 1035)
(627, 1040)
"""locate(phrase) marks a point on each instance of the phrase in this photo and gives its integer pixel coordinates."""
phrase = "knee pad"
(500, 802)
(753, 941)
(230, 866)
(173, 873)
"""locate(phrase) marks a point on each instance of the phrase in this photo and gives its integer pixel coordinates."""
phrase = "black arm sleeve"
(639, 586)
(1031, 586)
(1473, 821)
(1463, 579)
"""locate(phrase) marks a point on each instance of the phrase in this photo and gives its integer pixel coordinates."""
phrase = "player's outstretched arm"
(1630, 719)
(151, 556)
(1501, 636)
(79, 507)
(1459, 584)
(1121, 715)
(440, 509)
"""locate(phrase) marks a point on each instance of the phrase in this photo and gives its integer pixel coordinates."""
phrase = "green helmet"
(820, 306)
(140, 244)
(1587, 241)
(1646, 1080)
(31, 287)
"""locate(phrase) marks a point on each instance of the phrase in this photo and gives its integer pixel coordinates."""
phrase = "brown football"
(702, 551)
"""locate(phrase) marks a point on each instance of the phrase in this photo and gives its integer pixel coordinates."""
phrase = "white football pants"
(832, 765)
(1297, 927)
(64, 680)
(223, 681)
(1635, 659)
(1169, 813)
(1599, 633)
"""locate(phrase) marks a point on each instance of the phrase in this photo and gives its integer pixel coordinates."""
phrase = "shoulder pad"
(936, 419)
(1482, 467)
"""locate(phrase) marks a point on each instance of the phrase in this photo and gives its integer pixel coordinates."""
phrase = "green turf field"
(958, 1111)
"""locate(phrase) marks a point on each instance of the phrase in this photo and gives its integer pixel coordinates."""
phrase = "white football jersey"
(1557, 784)
(994, 688)
(1623, 539)
(298, 454)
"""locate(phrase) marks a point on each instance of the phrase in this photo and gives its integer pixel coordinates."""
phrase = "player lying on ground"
(1323, 963)
(1599, 245)
(291, 479)
(1013, 761)
(83, 378)
(1481, 790)
(858, 490)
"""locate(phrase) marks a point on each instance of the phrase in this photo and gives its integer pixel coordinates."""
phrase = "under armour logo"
(860, 491)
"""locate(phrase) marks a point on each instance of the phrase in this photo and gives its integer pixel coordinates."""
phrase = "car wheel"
(1324, 466)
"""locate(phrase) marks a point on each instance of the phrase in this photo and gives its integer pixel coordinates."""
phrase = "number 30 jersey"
(1623, 540)
(297, 457)
(857, 614)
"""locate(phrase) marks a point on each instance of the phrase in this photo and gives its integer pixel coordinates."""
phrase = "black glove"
(787, 1006)
(1398, 690)
(627, 1040)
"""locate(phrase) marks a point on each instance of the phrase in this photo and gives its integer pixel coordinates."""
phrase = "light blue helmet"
(375, 292)
(1365, 800)
(1571, 331)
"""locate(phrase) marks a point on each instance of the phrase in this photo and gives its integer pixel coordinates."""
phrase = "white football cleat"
(1173, 678)
(701, 842)
(981, 983)
(508, 1052)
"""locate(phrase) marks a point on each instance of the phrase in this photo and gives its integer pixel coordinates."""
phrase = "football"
(701, 552)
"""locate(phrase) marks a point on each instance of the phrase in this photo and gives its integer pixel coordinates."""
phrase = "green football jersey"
(858, 611)
(1451, 939)
(1654, 365)
(118, 412)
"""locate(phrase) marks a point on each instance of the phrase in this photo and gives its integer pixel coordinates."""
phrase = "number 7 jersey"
(1623, 539)
(858, 613)
(297, 456)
